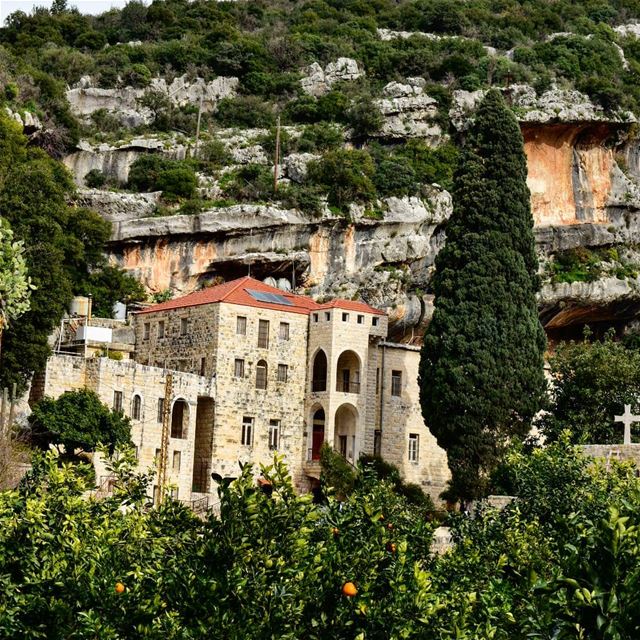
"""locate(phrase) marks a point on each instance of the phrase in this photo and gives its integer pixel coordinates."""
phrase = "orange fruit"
(390, 527)
(349, 589)
(335, 531)
(391, 546)
(119, 587)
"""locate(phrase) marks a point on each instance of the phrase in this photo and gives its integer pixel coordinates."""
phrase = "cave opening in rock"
(279, 272)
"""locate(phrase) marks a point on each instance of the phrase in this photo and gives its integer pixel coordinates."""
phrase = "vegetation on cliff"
(481, 376)
(63, 249)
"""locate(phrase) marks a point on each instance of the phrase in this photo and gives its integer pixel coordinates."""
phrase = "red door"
(318, 439)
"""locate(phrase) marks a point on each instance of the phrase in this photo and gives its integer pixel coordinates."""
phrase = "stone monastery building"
(256, 370)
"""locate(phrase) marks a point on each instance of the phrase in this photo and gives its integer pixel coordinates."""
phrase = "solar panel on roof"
(272, 298)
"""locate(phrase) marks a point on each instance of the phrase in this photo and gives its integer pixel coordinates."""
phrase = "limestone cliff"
(584, 172)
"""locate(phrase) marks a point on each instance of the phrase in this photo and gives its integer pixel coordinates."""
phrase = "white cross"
(627, 418)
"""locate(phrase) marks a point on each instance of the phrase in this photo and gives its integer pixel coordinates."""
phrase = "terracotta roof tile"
(237, 292)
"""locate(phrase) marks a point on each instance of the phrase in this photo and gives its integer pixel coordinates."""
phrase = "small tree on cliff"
(481, 371)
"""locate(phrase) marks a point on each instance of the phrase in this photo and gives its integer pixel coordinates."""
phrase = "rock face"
(29, 122)
(119, 207)
(318, 81)
(115, 161)
(85, 98)
(408, 112)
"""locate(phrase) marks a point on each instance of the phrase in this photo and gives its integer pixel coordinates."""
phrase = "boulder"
(318, 81)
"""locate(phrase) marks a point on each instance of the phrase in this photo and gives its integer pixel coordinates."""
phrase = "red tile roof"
(237, 292)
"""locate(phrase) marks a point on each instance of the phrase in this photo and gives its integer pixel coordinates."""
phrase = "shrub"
(347, 176)
(395, 177)
(177, 182)
(245, 111)
(95, 179)
(321, 136)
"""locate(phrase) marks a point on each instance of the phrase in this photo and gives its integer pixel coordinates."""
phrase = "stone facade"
(252, 378)
(191, 397)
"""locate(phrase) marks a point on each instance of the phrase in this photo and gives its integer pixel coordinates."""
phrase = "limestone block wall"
(337, 331)
(105, 377)
(237, 397)
(617, 452)
(402, 416)
(179, 348)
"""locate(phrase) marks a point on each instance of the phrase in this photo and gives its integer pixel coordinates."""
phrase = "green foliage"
(560, 561)
(78, 420)
(95, 179)
(109, 285)
(591, 383)
(153, 172)
(245, 111)
(481, 371)
(163, 296)
(346, 174)
(587, 265)
(15, 284)
(64, 247)
(337, 473)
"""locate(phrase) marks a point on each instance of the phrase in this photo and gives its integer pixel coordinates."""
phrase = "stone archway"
(345, 428)
(348, 372)
(319, 372)
(179, 419)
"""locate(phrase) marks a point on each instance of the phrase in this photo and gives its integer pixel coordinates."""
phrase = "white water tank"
(79, 307)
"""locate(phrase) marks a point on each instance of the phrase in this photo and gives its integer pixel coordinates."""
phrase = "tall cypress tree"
(481, 370)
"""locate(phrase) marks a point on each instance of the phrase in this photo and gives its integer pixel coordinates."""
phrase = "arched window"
(179, 419)
(348, 372)
(136, 407)
(261, 375)
(319, 377)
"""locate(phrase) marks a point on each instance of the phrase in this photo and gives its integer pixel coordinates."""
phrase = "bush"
(245, 111)
(177, 182)
(152, 172)
(347, 175)
(322, 136)
(95, 179)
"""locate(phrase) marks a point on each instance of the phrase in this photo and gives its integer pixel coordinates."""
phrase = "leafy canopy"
(591, 383)
(78, 420)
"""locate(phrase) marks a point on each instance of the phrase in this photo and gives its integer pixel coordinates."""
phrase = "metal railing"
(347, 386)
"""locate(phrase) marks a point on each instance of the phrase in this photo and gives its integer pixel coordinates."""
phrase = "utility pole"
(195, 153)
(164, 446)
(277, 158)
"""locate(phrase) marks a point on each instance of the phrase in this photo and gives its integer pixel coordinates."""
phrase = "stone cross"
(627, 418)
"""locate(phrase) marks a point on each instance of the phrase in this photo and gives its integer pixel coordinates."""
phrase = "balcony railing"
(319, 385)
(348, 386)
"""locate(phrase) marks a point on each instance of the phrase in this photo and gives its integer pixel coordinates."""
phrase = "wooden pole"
(277, 156)
(195, 152)
(12, 408)
(3, 404)
(164, 446)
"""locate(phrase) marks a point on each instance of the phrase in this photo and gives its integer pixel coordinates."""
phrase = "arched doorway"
(348, 372)
(317, 434)
(319, 374)
(346, 422)
(179, 419)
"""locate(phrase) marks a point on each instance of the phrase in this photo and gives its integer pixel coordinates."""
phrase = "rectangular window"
(274, 434)
(238, 370)
(161, 329)
(158, 452)
(117, 400)
(284, 331)
(241, 326)
(315, 317)
(396, 383)
(261, 375)
(147, 330)
(377, 380)
(174, 493)
(177, 458)
(203, 366)
(345, 317)
(160, 409)
(283, 372)
(136, 451)
(247, 431)
(414, 447)
(360, 319)
(184, 326)
(327, 316)
(377, 442)
(374, 321)
(263, 334)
